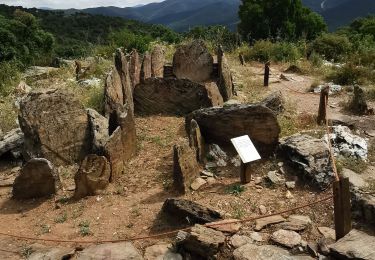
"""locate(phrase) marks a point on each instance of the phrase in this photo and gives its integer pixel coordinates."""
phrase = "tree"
(284, 19)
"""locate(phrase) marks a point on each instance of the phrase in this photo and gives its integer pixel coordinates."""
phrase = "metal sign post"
(248, 153)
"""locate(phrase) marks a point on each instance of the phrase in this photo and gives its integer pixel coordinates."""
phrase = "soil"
(130, 207)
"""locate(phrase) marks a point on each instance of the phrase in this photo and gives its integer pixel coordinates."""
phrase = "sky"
(65, 4)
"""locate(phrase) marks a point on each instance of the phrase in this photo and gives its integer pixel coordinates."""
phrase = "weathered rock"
(157, 61)
(296, 223)
(12, 141)
(45, 253)
(219, 125)
(146, 69)
(358, 104)
(197, 183)
(185, 167)
(99, 129)
(225, 77)
(262, 210)
(214, 93)
(190, 212)
(122, 143)
(35, 180)
(34, 73)
(92, 177)
(286, 238)
(364, 204)
(7, 178)
(118, 88)
(217, 155)
(118, 251)
(22, 89)
(327, 233)
(55, 126)
(275, 178)
(355, 179)
(197, 141)
(230, 226)
(193, 61)
(134, 68)
(202, 241)
(65, 175)
(310, 157)
(171, 96)
(267, 252)
(346, 144)
(275, 102)
(290, 184)
(237, 240)
(263, 222)
(161, 252)
(355, 245)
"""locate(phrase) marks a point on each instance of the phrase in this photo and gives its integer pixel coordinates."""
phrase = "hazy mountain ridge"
(181, 15)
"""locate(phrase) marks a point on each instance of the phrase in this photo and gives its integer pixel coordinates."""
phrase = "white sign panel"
(245, 148)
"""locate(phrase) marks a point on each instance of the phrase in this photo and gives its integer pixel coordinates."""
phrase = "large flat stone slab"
(355, 245)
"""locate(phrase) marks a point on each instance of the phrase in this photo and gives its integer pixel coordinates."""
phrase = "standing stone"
(358, 104)
(134, 68)
(99, 131)
(146, 70)
(214, 93)
(185, 167)
(118, 90)
(219, 124)
(122, 67)
(157, 61)
(35, 180)
(193, 61)
(197, 141)
(225, 77)
(92, 177)
(172, 96)
(55, 126)
(121, 145)
(275, 102)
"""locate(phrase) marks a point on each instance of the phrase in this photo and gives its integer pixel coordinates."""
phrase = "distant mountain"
(348, 11)
(181, 15)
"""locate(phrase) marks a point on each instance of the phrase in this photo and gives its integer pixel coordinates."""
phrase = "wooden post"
(267, 73)
(322, 113)
(245, 174)
(342, 207)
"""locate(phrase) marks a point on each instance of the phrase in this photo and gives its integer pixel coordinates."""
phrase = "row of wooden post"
(341, 192)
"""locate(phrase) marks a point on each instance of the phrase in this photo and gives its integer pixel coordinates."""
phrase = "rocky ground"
(132, 205)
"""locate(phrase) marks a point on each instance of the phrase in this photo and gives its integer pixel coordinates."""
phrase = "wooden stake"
(267, 74)
(322, 114)
(342, 207)
(245, 174)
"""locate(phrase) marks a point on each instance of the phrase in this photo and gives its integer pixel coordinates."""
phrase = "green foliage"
(265, 50)
(61, 218)
(285, 19)
(351, 74)
(235, 189)
(216, 35)
(9, 76)
(84, 228)
(332, 46)
(130, 40)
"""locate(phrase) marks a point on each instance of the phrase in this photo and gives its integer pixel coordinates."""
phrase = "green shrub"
(265, 50)
(332, 46)
(351, 74)
(9, 77)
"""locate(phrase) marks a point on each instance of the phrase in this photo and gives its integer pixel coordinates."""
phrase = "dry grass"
(8, 114)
